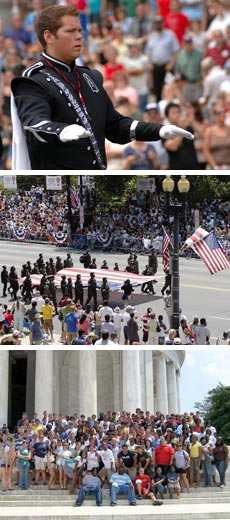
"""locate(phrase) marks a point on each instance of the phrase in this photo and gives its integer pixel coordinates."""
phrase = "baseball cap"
(151, 106)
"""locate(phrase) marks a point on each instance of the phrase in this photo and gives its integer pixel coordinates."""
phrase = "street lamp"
(183, 187)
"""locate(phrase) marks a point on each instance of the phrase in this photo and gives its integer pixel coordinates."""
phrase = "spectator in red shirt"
(111, 66)
(142, 484)
(221, 51)
(164, 454)
(176, 21)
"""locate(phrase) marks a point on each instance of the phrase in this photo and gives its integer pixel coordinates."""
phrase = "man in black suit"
(63, 108)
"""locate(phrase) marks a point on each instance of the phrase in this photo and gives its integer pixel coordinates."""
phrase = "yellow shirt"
(194, 449)
(47, 312)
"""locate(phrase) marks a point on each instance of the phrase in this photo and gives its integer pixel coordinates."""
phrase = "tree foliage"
(216, 407)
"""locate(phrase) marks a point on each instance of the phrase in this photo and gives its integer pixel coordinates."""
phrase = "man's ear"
(48, 37)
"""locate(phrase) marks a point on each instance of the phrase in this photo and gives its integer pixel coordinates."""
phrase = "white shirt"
(107, 458)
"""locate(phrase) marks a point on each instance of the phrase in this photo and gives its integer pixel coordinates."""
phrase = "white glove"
(73, 133)
(171, 131)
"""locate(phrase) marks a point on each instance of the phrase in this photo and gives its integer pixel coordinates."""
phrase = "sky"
(201, 372)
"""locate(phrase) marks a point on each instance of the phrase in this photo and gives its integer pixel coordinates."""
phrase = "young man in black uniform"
(64, 111)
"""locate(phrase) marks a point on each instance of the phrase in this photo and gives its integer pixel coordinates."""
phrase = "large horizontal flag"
(115, 278)
(210, 251)
(165, 250)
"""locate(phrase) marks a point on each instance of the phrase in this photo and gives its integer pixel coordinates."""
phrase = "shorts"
(105, 472)
(195, 463)
(181, 471)
(48, 325)
(40, 463)
(174, 486)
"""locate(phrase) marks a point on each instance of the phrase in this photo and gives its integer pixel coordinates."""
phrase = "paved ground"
(200, 293)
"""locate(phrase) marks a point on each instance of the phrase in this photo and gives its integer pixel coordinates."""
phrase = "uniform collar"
(58, 63)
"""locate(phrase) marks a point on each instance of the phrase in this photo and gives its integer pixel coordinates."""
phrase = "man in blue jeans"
(121, 484)
(91, 485)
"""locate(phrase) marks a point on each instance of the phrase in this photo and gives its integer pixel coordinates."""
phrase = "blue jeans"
(122, 490)
(221, 467)
(207, 472)
(23, 475)
(84, 491)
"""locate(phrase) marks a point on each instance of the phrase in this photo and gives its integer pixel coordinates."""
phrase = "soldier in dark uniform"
(148, 286)
(116, 267)
(63, 108)
(128, 290)
(4, 279)
(52, 291)
(68, 262)
(92, 290)
(29, 266)
(79, 291)
(153, 262)
(59, 264)
(135, 265)
(104, 265)
(63, 285)
(69, 288)
(13, 279)
(42, 285)
(167, 284)
(86, 259)
(24, 270)
(35, 269)
(52, 266)
(27, 288)
(40, 261)
(93, 264)
(105, 290)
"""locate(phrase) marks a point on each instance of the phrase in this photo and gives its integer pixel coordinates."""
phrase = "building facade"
(88, 381)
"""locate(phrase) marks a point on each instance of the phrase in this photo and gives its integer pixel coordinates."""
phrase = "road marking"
(218, 318)
(204, 287)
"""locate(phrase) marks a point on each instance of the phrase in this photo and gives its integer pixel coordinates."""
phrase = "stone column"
(149, 387)
(4, 386)
(44, 382)
(88, 382)
(131, 380)
(162, 394)
(117, 387)
(178, 391)
(172, 388)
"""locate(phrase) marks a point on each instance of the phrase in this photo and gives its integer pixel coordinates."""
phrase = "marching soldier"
(4, 279)
(92, 290)
(105, 289)
(79, 291)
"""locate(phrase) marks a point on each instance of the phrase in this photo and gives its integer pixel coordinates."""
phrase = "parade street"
(201, 294)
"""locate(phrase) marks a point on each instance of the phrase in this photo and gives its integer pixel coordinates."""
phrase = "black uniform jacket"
(45, 110)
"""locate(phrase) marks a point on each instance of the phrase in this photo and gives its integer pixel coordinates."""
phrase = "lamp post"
(183, 187)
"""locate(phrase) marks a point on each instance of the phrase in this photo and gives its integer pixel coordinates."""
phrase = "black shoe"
(157, 503)
(139, 497)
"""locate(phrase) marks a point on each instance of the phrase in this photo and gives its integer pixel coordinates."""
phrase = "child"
(173, 479)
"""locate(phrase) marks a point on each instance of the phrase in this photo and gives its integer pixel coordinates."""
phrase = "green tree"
(217, 407)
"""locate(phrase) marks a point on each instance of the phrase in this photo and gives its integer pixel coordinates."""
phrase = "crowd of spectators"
(146, 455)
(37, 213)
(162, 61)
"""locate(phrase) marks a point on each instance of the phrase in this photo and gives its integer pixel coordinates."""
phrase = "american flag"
(74, 197)
(197, 235)
(210, 251)
(165, 250)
